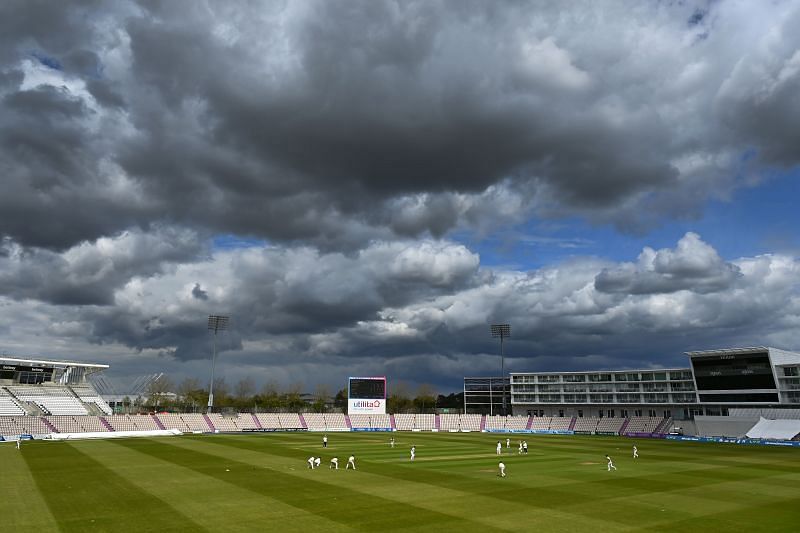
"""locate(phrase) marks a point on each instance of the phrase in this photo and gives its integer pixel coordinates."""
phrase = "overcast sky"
(365, 186)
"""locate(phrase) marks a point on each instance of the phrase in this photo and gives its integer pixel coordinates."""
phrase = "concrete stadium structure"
(716, 382)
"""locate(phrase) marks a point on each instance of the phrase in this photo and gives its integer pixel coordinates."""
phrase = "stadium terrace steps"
(158, 422)
(642, 424)
(291, 421)
(198, 422)
(664, 426)
(363, 421)
(49, 426)
(8, 406)
(540, 422)
(610, 426)
(560, 423)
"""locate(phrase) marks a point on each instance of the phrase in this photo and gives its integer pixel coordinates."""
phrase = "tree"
(398, 401)
(321, 395)
(340, 400)
(220, 391)
(269, 398)
(158, 390)
(426, 399)
(453, 401)
(293, 400)
(187, 386)
(245, 388)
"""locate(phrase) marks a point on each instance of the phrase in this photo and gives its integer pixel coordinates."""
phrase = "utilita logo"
(367, 403)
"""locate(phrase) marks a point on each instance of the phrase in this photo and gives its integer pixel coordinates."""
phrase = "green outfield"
(260, 482)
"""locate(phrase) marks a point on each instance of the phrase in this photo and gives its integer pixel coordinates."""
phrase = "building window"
(610, 413)
(637, 412)
(561, 413)
(623, 413)
(580, 413)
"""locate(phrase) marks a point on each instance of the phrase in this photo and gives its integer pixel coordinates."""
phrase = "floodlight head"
(218, 322)
(501, 330)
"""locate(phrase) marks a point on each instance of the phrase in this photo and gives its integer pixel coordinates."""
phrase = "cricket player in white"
(508, 443)
(499, 448)
(413, 452)
(520, 447)
(610, 463)
(311, 463)
(334, 463)
(391, 442)
(325, 441)
(502, 466)
(635, 452)
(351, 461)
(18, 444)
(317, 462)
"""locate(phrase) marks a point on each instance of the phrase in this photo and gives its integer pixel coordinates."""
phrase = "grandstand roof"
(777, 356)
(728, 351)
(16, 360)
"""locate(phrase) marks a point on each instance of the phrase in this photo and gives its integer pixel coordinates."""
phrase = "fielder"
(334, 463)
(317, 462)
(635, 452)
(351, 461)
(325, 441)
(502, 467)
(413, 452)
(311, 463)
(610, 463)
(499, 448)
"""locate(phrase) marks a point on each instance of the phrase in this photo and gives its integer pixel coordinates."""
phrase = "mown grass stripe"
(218, 505)
(597, 492)
(21, 507)
(88, 496)
(551, 490)
(490, 511)
(356, 509)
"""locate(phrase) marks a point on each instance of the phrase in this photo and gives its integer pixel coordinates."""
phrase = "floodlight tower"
(503, 331)
(216, 323)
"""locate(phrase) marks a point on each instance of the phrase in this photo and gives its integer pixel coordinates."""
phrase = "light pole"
(503, 331)
(215, 323)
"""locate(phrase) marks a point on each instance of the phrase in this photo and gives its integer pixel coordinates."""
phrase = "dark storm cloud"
(334, 134)
(199, 293)
(90, 274)
(420, 311)
(322, 122)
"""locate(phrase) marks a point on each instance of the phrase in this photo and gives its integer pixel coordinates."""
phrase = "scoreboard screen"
(368, 388)
(366, 396)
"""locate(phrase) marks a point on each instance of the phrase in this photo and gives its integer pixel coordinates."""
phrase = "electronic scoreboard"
(366, 396)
